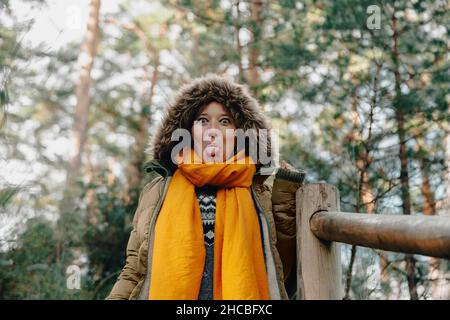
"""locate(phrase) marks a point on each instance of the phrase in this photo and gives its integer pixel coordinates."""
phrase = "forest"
(358, 89)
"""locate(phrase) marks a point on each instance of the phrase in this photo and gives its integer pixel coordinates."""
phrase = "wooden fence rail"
(321, 227)
(426, 235)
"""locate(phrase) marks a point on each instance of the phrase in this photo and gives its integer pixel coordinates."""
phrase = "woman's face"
(213, 133)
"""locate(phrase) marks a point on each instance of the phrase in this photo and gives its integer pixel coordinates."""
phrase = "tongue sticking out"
(212, 150)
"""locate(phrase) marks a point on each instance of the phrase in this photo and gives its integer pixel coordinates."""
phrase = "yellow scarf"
(179, 248)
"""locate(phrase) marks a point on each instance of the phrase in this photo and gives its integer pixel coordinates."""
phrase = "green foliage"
(7, 194)
(328, 80)
(105, 240)
(31, 270)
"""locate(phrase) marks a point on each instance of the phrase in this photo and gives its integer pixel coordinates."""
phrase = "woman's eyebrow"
(222, 114)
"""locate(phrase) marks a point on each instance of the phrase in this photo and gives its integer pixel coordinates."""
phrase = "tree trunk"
(443, 286)
(429, 205)
(90, 194)
(445, 207)
(134, 168)
(238, 43)
(440, 286)
(403, 156)
(81, 112)
(363, 161)
(254, 51)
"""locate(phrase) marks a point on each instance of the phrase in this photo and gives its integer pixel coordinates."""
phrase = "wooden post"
(319, 271)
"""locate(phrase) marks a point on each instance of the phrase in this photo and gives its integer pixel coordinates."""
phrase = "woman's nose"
(212, 132)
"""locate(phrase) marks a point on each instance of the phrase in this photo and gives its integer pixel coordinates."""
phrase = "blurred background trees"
(366, 109)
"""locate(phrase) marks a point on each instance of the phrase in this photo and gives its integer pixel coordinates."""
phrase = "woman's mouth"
(211, 149)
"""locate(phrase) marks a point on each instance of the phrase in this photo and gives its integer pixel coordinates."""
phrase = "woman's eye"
(226, 121)
(201, 120)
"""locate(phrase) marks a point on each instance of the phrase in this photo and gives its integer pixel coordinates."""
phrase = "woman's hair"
(191, 97)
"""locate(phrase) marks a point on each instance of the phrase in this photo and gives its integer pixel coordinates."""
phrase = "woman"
(211, 225)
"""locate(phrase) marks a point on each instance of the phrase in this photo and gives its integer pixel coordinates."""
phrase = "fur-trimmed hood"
(245, 109)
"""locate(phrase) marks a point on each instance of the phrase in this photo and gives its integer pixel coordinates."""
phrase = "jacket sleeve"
(285, 185)
(129, 276)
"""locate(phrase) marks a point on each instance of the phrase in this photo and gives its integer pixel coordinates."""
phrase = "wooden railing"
(321, 227)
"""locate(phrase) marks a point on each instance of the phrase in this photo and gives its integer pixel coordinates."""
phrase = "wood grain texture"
(319, 271)
(419, 234)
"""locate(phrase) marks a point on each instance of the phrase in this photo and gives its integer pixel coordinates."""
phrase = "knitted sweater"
(206, 196)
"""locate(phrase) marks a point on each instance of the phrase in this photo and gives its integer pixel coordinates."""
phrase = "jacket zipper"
(268, 230)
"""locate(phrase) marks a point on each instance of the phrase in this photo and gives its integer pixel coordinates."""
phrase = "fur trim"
(191, 97)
